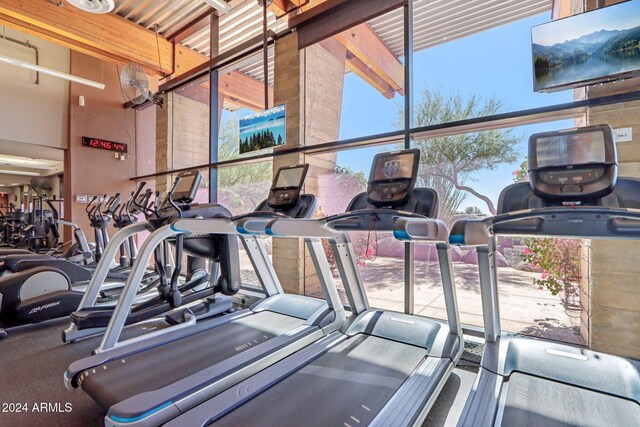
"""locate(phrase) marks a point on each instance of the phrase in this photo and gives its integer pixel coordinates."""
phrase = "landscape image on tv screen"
(587, 48)
(262, 130)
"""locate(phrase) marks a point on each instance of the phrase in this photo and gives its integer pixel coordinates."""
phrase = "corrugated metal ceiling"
(440, 21)
(238, 25)
(169, 15)
(435, 22)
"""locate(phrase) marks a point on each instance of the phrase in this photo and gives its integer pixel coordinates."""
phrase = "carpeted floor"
(33, 360)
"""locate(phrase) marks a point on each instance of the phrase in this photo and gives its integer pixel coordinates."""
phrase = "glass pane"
(354, 81)
(541, 282)
(428, 294)
(241, 94)
(473, 60)
(335, 178)
(241, 189)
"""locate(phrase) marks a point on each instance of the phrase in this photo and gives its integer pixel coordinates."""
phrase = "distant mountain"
(598, 36)
(596, 43)
(574, 45)
(556, 53)
(625, 40)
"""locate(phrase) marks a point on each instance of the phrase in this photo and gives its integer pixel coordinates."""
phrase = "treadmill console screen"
(393, 177)
(185, 187)
(570, 149)
(287, 186)
(577, 164)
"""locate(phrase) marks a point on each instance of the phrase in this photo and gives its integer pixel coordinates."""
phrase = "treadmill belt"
(344, 387)
(158, 367)
(537, 402)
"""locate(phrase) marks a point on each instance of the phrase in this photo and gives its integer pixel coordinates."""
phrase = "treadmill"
(151, 379)
(573, 191)
(171, 292)
(381, 368)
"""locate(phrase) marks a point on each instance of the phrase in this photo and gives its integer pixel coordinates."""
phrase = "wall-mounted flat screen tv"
(593, 47)
(262, 130)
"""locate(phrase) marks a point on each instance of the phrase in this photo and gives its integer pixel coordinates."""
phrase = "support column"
(287, 254)
(164, 141)
(314, 101)
(615, 295)
(182, 136)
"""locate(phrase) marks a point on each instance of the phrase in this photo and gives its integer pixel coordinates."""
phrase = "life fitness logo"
(43, 307)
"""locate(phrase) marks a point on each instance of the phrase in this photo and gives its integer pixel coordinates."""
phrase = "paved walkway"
(524, 308)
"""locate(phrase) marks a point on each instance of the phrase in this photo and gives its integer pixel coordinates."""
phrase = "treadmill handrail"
(372, 212)
(117, 322)
(479, 232)
(421, 229)
(203, 225)
(260, 214)
(306, 228)
(311, 230)
(104, 267)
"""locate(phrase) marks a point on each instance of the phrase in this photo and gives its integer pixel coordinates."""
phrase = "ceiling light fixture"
(50, 72)
(19, 172)
(94, 6)
(219, 5)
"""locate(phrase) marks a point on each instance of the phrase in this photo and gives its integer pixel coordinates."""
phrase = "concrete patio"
(524, 308)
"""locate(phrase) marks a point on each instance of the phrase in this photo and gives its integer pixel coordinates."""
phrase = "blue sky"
(496, 62)
(619, 17)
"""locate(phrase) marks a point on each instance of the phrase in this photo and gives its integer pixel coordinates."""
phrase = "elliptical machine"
(37, 287)
(200, 284)
(100, 217)
(128, 215)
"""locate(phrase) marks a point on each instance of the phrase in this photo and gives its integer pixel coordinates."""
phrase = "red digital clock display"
(117, 147)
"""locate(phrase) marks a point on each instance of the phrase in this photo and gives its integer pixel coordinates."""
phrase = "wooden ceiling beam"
(237, 88)
(365, 45)
(367, 55)
(358, 67)
(241, 89)
(368, 75)
(186, 59)
(282, 9)
(106, 36)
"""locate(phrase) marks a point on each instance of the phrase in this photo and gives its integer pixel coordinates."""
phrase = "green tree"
(472, 210)
(449, 198)
(453, 159)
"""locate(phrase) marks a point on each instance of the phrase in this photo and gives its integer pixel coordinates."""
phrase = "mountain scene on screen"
(596, 55)
(262, 130)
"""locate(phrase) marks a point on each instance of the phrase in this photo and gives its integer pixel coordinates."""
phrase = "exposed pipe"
(27, 45)
(265, 52)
